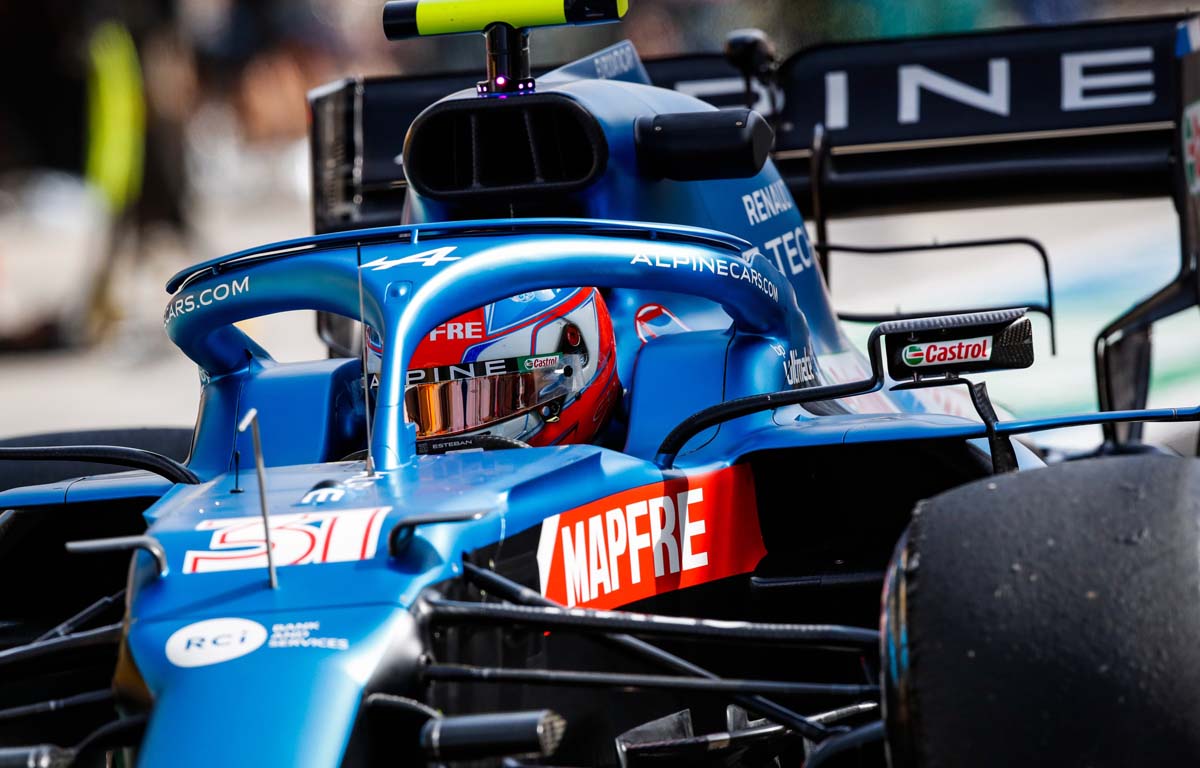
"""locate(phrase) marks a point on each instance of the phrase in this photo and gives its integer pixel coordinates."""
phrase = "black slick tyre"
(1049, 617)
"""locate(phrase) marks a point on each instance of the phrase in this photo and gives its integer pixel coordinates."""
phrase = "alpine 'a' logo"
(977, 350)
(653, 539)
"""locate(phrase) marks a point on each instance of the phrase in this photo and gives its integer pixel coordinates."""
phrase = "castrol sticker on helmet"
(538, 363)
(650, 540)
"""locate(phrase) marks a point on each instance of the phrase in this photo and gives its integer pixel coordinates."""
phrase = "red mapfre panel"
(653, 539)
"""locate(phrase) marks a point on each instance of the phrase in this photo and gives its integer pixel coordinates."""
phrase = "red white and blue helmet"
(539, 367)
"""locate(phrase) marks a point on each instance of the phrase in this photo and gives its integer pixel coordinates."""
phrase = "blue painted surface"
(273, 706)
(404, 299)
(619, 61)
(744, 283)
(98, 488)
(35, 495)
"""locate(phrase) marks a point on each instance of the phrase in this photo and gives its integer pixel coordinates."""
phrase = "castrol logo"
(540, 363)
(976, 350)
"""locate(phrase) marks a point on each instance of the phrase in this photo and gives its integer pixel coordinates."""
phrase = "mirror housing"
(957, 344)
(752, 53)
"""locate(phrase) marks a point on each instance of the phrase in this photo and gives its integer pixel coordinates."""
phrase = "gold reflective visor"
(451, 400)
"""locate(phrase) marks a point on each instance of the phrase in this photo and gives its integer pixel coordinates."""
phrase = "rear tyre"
(1049, 617)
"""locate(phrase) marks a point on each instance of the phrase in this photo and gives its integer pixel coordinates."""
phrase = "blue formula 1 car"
(593, 476)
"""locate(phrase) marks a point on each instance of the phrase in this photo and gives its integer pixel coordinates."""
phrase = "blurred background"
(140, 136)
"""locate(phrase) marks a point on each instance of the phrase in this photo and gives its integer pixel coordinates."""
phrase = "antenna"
(366, 374)
(507, 61)
(237, 472)
(251, 420)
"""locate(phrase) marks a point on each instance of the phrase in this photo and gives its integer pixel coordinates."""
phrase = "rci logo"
(214, 641)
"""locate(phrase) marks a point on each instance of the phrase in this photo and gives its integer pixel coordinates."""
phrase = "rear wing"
(1099, 110)
(1016, 115)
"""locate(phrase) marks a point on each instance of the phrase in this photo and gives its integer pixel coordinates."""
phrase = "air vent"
(538, 144)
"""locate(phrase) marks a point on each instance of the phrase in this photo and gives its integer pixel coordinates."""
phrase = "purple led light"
(501, 81)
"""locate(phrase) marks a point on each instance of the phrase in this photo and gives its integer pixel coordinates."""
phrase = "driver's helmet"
(539, 367)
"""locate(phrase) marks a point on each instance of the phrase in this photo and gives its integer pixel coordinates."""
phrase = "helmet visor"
(455, 399)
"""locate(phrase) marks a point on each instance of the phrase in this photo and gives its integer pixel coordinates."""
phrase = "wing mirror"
(946, 347)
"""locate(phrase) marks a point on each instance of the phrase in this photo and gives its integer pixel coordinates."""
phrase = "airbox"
(525, 145)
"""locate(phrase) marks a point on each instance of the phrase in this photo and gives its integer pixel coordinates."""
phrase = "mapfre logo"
(653, 539)
(214, 641)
